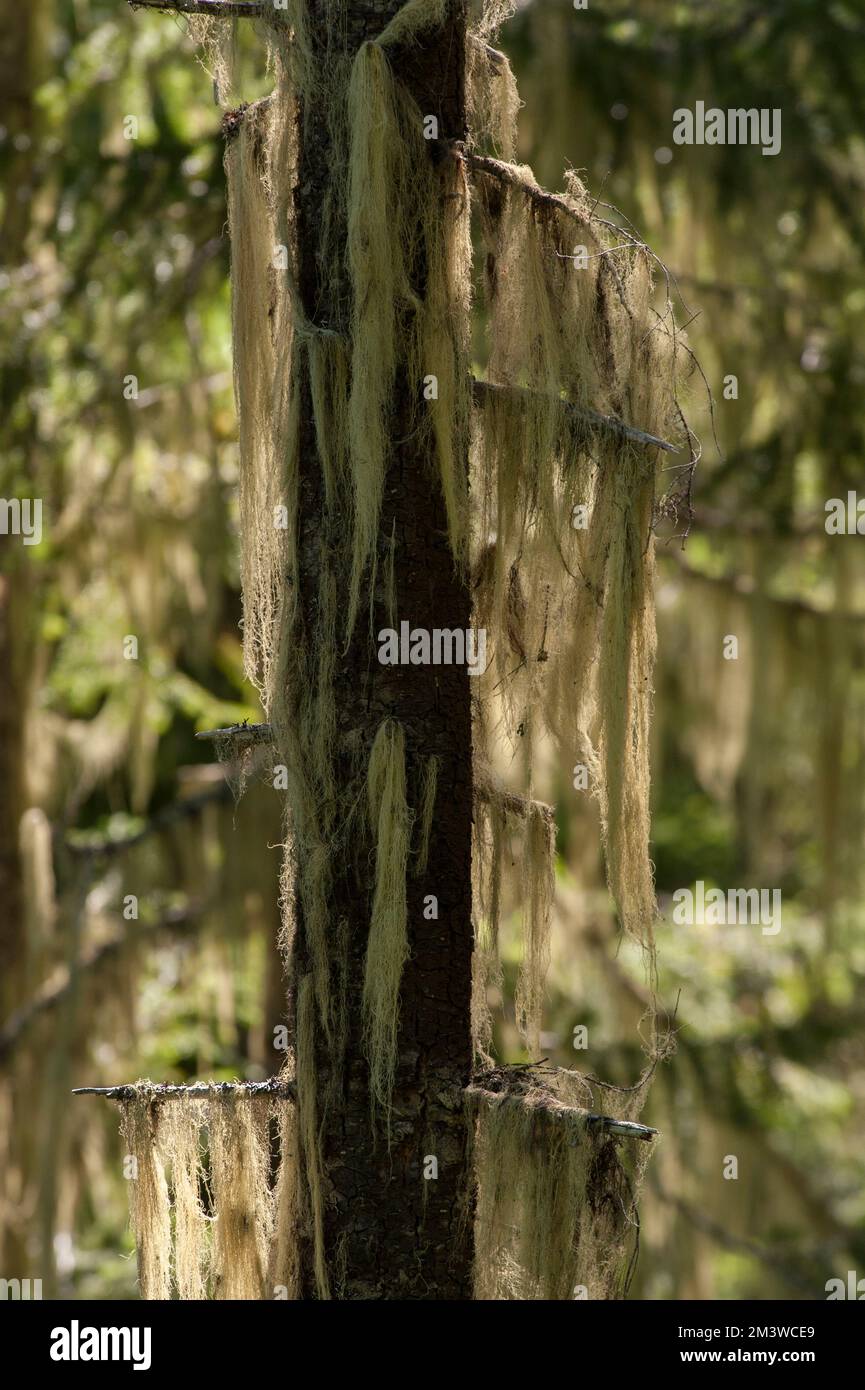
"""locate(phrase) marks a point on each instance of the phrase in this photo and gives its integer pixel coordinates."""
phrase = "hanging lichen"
(556, 1212)
(557, 541)
(148, 1200)
(243, 1246)
(284, 1275)
(538, 887)
(387, 948)
(181, 1131)
(563, 549)
(310, 1192)
(242, 1220)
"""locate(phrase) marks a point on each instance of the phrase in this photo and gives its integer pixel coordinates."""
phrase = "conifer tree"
(398, 516)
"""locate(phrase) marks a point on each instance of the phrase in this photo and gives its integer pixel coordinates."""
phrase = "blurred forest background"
(117, 410)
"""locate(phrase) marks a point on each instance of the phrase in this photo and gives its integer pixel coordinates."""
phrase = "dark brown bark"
(389, 1232)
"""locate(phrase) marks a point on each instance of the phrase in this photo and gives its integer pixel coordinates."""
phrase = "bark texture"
(389, 1231)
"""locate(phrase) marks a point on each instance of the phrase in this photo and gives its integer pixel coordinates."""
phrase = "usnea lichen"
(567, 609)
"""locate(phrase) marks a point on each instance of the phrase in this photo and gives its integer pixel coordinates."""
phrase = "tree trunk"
(18, 63)
(20, 54)
(391, 1228)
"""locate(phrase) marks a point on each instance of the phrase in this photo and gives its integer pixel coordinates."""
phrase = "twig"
(492, 793)
(510, 174)
(241, 733)
(594, 418)
(200, 1090)
(286, 1090)
(626, 1129)
(554, 1110)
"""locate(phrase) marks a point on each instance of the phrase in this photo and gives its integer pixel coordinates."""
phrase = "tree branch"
(200, 1090)
(511, 175)
(553, 1109)
(593, 418)
(492, 793)
(241, 733)
(286, 1090)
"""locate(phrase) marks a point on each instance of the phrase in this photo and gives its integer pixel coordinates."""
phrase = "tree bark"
(389, 1230)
